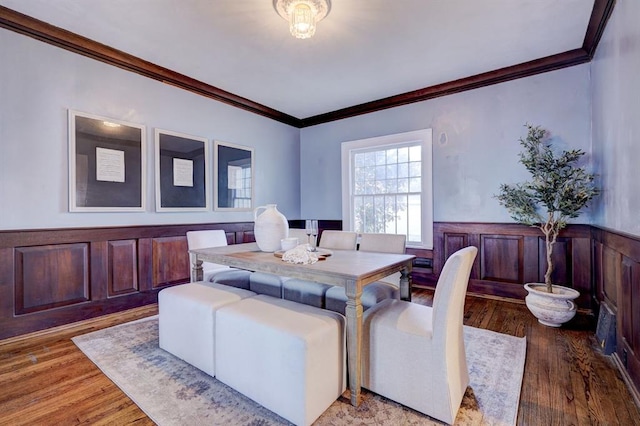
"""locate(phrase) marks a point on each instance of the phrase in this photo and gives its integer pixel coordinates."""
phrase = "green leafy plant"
(558, 190)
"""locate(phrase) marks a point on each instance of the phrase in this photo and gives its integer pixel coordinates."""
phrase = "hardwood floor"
(46, 380)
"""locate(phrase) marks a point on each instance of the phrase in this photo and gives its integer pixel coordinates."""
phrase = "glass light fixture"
(303, 15)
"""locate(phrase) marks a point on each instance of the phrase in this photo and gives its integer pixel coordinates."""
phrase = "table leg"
(405, 284)
(196, 270)
(354, 339)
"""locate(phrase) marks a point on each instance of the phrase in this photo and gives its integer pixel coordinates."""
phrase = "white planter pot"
(269, 228)
(551, 309)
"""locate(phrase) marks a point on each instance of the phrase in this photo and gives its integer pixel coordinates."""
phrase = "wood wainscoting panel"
(562, 261)
(629, 311)
(65, 275)
(617, 282)
(454, 242)
(170, 261)
(123, 267)
(51, 276)
(501, 258)
(611, 262)
(510, 255)
(598, 276)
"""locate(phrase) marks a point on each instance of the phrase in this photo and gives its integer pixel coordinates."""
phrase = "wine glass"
(308, 230)
(314, 235)
(311, 229)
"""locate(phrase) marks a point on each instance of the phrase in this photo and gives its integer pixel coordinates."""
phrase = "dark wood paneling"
(454, 242)
(123, 267)
(47, 33)
(617, 267)
(51, 276)
(170, 261)
(69, 274)
(598, 276)
(7, 280)
(502, 258)
(99, 269)
(562, 261)
(611, 260)
(629, 311)
(511, 255)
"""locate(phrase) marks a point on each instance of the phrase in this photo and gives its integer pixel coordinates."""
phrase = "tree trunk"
(550, 239)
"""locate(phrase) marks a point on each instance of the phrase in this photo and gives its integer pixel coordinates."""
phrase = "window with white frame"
(386, 186)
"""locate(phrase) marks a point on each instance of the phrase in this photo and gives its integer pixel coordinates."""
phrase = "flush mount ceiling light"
(303, 15)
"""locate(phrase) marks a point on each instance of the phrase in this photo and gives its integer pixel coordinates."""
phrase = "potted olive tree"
(557, 191)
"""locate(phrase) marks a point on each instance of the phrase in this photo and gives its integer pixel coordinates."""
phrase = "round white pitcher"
(269, 227)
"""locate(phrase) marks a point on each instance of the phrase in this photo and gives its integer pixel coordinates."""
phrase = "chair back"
(448, 301)
(204, 239)
(338, 240)
(447, 317)
(383, 243)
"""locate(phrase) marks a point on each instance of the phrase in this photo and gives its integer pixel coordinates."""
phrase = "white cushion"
(286, 356)
(187, 320)
(208, 238)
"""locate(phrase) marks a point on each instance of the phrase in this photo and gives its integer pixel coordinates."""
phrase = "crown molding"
(67, 40)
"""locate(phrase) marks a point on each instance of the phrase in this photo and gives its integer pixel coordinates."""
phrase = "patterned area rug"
(172, 392)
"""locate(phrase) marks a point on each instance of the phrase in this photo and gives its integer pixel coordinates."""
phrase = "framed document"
(106, 164)
(233, 172)
(182, 172)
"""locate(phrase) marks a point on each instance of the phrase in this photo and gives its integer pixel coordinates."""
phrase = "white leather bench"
(286, 356)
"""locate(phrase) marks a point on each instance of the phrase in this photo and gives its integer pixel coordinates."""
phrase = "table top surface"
(341, 266)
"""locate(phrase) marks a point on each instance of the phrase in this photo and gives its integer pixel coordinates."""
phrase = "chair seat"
(336, 297)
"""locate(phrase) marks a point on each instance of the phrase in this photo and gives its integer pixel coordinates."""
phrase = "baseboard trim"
(627, 379)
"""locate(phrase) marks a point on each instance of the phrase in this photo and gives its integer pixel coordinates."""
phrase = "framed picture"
(107, 170)
(233, 172)
(182, 172)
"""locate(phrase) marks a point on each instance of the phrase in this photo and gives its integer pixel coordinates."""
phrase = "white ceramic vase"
(269, 227)
(551, 309)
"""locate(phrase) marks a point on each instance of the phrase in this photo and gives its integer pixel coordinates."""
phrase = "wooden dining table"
(350, 269)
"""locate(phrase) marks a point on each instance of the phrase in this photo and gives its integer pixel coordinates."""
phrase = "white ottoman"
(187, 320)
(288, 357)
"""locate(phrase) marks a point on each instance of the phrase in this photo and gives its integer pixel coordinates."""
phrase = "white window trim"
(425, 137)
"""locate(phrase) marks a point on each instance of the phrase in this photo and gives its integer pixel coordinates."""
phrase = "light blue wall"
(616, 119)
(475, 142)
(39, 82)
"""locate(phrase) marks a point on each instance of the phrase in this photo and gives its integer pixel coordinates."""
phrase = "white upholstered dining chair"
(214, 272)
(414, 354)
(338, 240)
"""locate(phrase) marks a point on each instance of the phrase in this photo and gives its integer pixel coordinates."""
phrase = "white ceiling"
(363, 51)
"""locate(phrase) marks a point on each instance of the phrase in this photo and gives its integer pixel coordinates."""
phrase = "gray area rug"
(172, 392)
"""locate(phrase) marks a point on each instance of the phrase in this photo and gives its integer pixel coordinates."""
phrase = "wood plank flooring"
(46, 380)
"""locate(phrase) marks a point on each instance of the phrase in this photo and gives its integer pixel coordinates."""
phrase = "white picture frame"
(238, 163)
(107, 164)
(181, 172)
